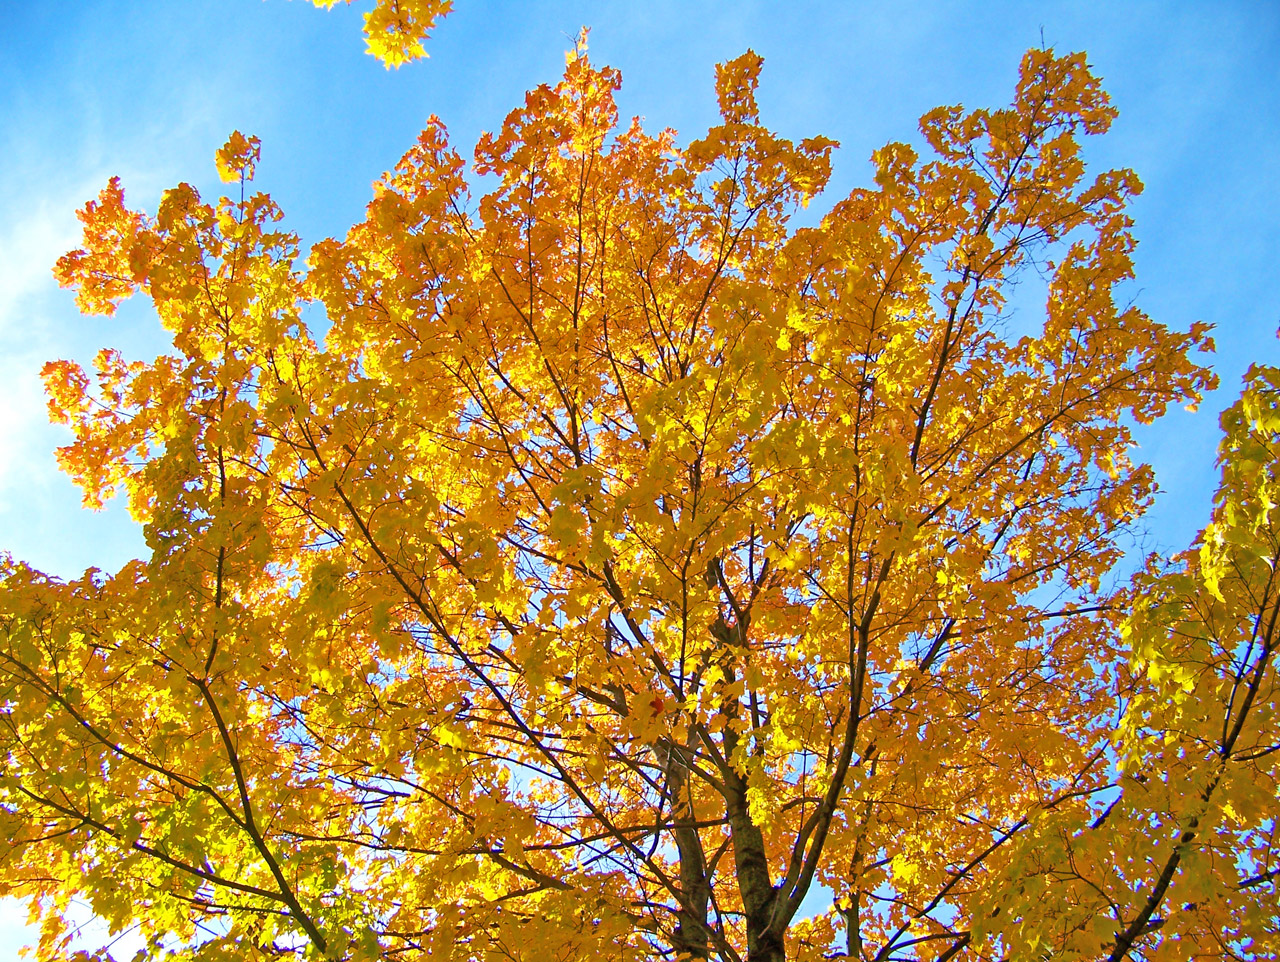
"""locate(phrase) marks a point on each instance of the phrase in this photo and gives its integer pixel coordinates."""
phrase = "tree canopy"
(620, 571)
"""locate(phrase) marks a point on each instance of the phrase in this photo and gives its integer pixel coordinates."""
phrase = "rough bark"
(764, 937)
(691, 934)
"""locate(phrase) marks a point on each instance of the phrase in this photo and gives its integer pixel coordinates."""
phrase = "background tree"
(1186, 848)
(627, 562)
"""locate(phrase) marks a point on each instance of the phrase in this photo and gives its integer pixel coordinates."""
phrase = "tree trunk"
(691, 934)
(764, 946)
(764, 940)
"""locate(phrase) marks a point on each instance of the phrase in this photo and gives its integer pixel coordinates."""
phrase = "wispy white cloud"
(50, 174)
(32, 237)
(93, 935)
(35, 231)
(14, 931)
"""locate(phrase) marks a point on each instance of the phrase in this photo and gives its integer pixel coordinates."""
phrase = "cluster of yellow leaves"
(394, 30)
(626, 562)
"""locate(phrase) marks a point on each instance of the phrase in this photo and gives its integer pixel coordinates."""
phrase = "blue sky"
(149, 89)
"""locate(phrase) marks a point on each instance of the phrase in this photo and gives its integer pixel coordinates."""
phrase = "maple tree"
(630, 574)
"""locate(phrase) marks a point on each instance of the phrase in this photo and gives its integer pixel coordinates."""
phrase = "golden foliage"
(394, 30)
(626, 563)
